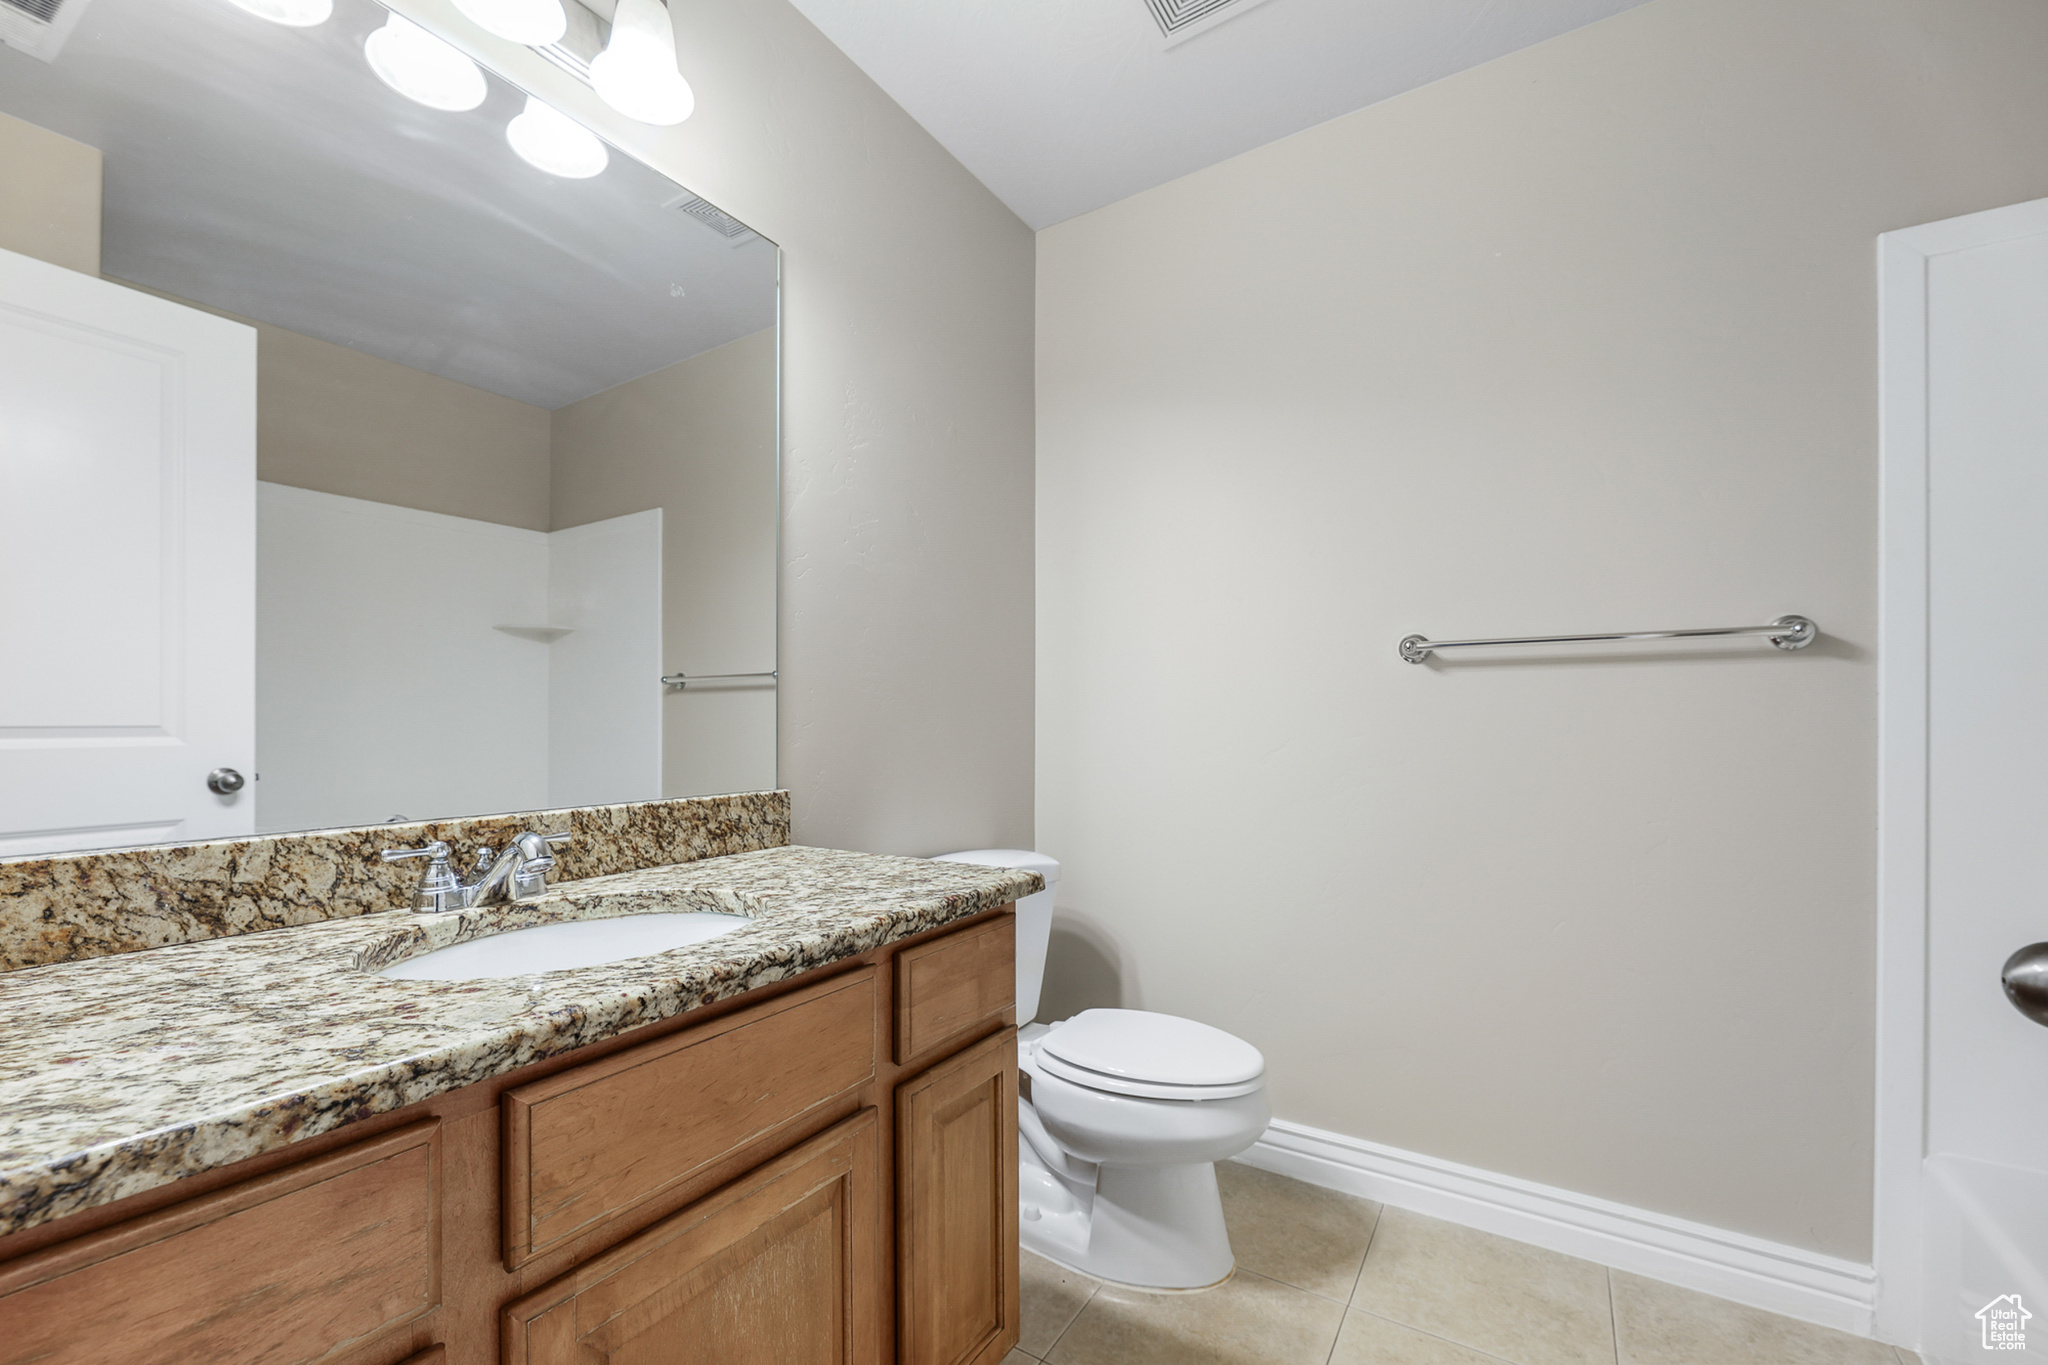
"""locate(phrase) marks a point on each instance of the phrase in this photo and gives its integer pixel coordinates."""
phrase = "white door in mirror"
(559, 947)
(127, 564)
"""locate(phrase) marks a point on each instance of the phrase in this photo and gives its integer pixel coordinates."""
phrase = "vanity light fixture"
(294, 13)
(636, 73)
(421, 67)
(536, 23)
(546, 137)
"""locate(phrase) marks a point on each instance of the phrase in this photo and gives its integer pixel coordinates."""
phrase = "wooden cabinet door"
(956, 1194)
(781, 1267)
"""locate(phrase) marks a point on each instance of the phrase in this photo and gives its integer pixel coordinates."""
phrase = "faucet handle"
(437, 850)
(439, 888)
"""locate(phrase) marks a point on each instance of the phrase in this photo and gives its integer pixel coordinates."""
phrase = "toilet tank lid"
(1024, 858)
(1142, 1046)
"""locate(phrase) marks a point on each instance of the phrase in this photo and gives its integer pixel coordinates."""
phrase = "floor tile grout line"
(1243, 1269)
(1094, 1287)
(1370, 1238)
(1433, 1336)
(1613, 1316)
(1239, 1272)
(1343, 1316)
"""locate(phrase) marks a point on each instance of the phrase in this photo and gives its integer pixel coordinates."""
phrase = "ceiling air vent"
(713, 217)
(38, 27)
(587, 33)
(1181, 20)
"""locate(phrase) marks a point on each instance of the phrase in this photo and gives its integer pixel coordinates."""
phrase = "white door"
(1985, 1171)
(127, 564)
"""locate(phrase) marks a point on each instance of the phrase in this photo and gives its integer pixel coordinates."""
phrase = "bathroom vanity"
(792, 1143)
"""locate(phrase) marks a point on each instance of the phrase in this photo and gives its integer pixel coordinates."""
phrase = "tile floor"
(1326, 1279)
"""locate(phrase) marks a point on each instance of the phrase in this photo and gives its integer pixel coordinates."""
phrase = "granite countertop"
(119, 1074)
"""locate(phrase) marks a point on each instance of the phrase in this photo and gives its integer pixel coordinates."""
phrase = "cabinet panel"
(952, 986)
(293, 1267)
(956, 1194)
(595, 1141)
(782, 1267)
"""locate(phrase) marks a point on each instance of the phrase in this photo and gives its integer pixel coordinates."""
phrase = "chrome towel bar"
(685, 679)
(1787, 632)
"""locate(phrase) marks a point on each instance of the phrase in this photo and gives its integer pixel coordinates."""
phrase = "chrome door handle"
(223, 781)
(2026, 981)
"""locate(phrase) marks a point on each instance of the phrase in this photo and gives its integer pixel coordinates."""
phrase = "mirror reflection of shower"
(515, 402)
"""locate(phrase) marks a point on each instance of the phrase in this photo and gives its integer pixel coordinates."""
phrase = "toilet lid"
(1158, 1055)
(1044, 1064)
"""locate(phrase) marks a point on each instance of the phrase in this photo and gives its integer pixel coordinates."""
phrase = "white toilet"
(1127, 1114)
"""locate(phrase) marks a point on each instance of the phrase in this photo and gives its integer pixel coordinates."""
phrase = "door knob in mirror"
(223, 781)
(2026, 981)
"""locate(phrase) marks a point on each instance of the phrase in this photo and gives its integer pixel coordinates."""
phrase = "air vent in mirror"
(713, 217)
(38, 27)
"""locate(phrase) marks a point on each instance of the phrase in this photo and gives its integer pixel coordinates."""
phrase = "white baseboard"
(1782, 1279)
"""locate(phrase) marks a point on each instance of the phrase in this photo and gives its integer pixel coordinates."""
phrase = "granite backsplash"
(95, 904)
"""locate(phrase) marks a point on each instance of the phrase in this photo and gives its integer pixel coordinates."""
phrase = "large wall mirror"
(396, 461)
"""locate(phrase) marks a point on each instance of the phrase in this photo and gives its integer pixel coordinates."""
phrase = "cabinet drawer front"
(292, 1267)
(781, 1267)
(598, 1140)
(953, 986)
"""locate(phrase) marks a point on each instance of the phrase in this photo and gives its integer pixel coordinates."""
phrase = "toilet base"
(1149, 1227)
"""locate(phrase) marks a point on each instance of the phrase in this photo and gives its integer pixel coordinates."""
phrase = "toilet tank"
(1034, 917)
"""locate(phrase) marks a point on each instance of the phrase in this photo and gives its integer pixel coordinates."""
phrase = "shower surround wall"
(1582, 339)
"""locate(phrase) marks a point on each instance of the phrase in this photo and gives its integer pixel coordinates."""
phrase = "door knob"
(2026, 981)
(223, 781)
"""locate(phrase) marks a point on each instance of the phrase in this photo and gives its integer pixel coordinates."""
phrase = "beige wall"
(49, 196)
(1581, 339)
(906, 582)
(336, 420)
(340, 421)
(696, 439)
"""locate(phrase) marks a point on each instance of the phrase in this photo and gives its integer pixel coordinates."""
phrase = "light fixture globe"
(421, 67)
(293, 13)
(636, 73)
(549, 139)
(536, 23)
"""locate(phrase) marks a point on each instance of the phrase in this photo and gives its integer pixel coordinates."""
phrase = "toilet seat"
(1149, 1056)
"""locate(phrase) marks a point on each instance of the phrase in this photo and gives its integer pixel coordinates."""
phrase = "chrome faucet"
(518, 874)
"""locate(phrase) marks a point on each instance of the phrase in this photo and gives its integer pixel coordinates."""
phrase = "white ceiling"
(1062, 106)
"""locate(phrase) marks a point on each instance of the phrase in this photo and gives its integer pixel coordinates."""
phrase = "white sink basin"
(559, 947)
